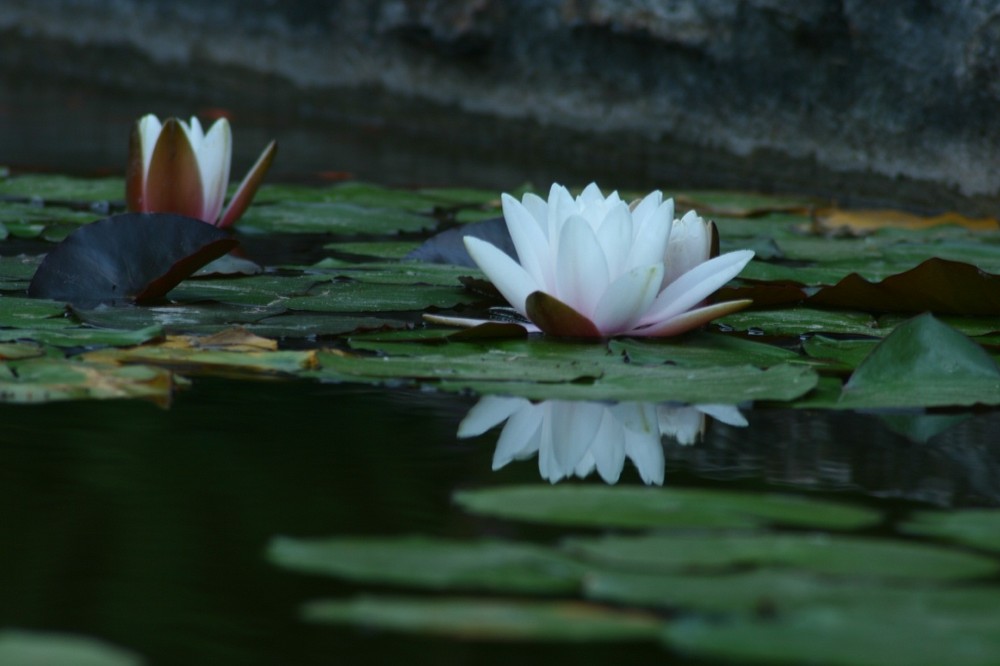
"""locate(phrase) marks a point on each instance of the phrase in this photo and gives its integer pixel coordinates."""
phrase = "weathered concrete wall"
(882, 99)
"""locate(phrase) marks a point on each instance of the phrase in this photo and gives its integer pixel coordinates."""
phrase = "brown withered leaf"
(936, 285)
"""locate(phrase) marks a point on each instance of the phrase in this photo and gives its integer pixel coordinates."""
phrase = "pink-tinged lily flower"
(576, 438)
(176, 167)
(594, 267)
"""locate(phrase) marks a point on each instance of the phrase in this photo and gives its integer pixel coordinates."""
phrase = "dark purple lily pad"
(937, 285)
(129, 258)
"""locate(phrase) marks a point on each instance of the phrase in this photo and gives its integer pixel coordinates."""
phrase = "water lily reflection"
(574, 438)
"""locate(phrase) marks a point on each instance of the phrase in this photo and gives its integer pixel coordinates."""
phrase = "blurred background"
(865, 103)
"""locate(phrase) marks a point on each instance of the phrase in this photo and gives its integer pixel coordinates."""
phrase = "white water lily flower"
(591, 266)
(575, 438)
(177, 167)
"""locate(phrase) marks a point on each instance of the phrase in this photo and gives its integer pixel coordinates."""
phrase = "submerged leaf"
(133, 257)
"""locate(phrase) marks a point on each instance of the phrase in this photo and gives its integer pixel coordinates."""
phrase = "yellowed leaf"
(865, 221)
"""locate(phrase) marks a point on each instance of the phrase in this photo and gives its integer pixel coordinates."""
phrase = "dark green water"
(148, 527)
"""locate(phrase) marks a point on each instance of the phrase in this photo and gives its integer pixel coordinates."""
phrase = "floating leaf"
(131, 257)
(487, 619)
(432, 563)
(85, 336)
(188, 355)
(828, 554)
(923, 363)
(847, 635)
(601, 506)
(937, 285)
(47, 380)
(858, 222)
(37, 648)
(979, 528)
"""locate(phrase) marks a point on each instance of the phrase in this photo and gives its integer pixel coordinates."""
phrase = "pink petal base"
(690, 320)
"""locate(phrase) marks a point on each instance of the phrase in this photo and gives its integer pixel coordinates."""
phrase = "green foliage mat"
(818, 337)
(710, 573)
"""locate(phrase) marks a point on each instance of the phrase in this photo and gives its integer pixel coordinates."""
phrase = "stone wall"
(892, 101)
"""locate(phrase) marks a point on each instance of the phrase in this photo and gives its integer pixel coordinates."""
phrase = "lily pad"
(47, 380)
(600, 506)
(923, 363)
(37, 648)
(979, 528)
(936, 285)
(133, 257)
(488, 619)
(827, 554)
(849, 636)
(432, 563)
(186, 355)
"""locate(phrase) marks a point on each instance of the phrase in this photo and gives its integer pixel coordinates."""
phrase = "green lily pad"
(332, 217)
(209, 361)
(828, 554)
(716, 384)
(351, 296)
(923, 363)
(702, 349)
(846, 636)
(15, 351)
(488, 619)
(601, 506)
(37, 648)
(63, 188)
(846, 354)
(84, 337)
(33, 313)
(772, 592)
(979, 528)
(796, 321)
(432, 563)
(383, 250)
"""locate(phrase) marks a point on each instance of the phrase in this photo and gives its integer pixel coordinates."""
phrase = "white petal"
(728, 414)
(195, 133)
(646, 453)
(506, 274)
(689, 320)
(529, 241)
(581, 269)
(574, 426)
(538, 208)
(591, 195)
(149, 131)
(627, 299)
(521, 436)
(684, 424)
(696, 285)
(214, 158)
(651, 236)
(690, 244)
(648, 205)
(608, 449)
(614, 234)
(490, 411)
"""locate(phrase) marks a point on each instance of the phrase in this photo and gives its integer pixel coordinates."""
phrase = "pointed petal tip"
(248, 188)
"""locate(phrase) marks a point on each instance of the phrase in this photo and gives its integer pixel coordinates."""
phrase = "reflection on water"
(573, 438)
